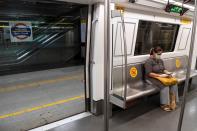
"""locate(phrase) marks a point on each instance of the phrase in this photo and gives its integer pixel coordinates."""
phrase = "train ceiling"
(119, 1)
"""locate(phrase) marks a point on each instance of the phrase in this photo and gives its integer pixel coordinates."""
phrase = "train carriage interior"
(81, 65)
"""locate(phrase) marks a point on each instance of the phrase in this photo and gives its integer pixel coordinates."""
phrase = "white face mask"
(157, 56)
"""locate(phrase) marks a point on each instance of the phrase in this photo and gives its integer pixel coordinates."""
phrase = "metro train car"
(67, 48)
(145, 27)
(135, 27)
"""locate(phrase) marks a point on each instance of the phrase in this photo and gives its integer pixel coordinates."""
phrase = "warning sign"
(133, 72)
(178, 63)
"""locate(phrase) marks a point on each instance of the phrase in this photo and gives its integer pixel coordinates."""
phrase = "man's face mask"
(158, 56)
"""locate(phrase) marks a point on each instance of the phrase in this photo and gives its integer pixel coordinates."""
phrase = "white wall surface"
(131, 15)
(97, 70)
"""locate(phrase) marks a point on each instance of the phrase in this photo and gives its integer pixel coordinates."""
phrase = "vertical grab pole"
(125, 56)
(106, 63)
(188, 68)
(87, 76)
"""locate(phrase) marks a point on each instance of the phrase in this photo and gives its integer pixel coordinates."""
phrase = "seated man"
(154, 67)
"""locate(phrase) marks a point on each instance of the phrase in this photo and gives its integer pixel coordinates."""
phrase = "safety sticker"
(185, 21)
(133, 72)
(178, 63)
(121, 8)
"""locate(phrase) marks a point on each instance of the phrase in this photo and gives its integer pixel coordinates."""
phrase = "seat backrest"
(176, 63)
(170, 64)
(183, 62)
(134, 75)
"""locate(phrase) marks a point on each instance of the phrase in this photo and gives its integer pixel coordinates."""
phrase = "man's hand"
(167, 72)
(164, 75)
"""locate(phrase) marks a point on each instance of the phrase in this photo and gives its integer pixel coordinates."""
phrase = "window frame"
(162, 22)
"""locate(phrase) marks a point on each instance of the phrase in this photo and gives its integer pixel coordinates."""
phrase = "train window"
(152, 34)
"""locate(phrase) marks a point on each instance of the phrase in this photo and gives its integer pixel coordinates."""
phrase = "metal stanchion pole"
(88, 94)
(125, 56)
(106, 63)
(188, 69)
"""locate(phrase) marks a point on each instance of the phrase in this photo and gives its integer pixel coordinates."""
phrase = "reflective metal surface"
(188, 68)
(107, 59)
(87, 76)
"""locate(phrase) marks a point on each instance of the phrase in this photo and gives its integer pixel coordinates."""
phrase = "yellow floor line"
(38, 83)
(41, 107)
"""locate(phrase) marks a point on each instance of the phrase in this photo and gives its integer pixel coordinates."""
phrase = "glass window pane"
(152, 34)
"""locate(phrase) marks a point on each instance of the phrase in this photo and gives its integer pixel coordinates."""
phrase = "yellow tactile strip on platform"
(41, 107)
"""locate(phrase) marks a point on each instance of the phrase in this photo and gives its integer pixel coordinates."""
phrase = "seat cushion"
(140, 91)
(181, 74)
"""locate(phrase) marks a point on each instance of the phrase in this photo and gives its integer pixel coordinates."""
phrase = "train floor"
(33, 99)
(145, 116)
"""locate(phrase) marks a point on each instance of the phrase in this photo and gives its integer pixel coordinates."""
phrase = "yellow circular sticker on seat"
(133, 72)
(178, 63)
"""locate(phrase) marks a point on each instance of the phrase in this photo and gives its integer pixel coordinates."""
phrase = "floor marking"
(62, 122)
(39, 83)
(41, 107)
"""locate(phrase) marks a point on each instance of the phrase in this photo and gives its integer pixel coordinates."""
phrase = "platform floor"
(33, 99)
(146, 116)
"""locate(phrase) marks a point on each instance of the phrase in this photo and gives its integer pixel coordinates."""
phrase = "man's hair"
(155, 50)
